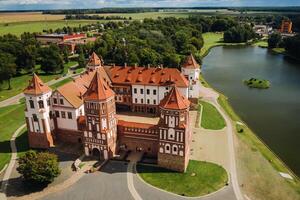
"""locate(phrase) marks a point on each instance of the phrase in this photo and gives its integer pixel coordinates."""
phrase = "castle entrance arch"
(96, 153)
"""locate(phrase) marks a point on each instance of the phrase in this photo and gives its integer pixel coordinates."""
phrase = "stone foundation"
(176, 163)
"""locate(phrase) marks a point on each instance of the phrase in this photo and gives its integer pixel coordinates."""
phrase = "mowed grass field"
(17, 28)
(17, 23)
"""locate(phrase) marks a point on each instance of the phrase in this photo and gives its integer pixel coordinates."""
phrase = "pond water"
(274, 113)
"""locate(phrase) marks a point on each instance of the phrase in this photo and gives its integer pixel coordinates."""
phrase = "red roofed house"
(84, 111)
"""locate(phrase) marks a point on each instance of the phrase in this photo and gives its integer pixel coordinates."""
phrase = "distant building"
(286, 26)
(262, 30)
(59, 38)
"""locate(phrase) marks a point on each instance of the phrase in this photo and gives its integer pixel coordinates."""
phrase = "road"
(11, 163)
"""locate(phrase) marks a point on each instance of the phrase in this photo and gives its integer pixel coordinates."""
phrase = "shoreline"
(253, 139)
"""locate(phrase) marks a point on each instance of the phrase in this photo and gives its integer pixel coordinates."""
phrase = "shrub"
(38, 168)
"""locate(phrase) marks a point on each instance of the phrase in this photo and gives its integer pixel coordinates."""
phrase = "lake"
(274, 113)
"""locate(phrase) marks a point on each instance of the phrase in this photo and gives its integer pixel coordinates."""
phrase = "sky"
(68, 4)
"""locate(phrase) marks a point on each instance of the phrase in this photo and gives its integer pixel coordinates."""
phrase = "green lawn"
(11, 118)
(201, 178)
(18, 28)
(278, 50)
(60, 83)
(211, 40)
(18, 83)
(211, 118)
(262, 43)
(22, 143)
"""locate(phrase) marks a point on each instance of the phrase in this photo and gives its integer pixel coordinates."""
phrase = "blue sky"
(67, 4)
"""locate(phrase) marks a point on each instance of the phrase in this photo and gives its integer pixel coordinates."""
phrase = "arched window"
(175, 149)
(167, 148)
(31, 104)
(41, 104)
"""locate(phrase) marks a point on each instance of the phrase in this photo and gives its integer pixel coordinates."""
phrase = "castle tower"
(38, 114)
(191, 70)
(174, 133)
(100, 136)
(94, 62)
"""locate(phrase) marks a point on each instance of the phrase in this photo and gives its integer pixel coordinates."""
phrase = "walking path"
(211, 96)
(12, 161)
(16, 99)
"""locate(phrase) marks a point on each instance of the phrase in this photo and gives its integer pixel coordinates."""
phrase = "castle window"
(31, 104)
(41, 104)
(167, 148)
(34, 117)
(148, 91)
(63, 114)
(142, 91)
(142, 101)
(69, 115)
(61, 101)
(154, 92)
(148, 101)
(135, 90)
(48, 102)
(57, 114)
(175, 149)
(135, 100)
(154, 101)
(54, 100)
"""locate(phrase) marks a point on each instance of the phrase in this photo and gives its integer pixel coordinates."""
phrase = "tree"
(274, 40)
(7, 68)
(292, 46)
(81, 60)
(51, 60)
(38, 168)
(65, 54)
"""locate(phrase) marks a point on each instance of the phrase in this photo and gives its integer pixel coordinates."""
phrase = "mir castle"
(84, 111)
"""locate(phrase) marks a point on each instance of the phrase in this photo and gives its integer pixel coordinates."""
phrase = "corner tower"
(38, 114)
(174, 132)
(100, 136)
(94, 62)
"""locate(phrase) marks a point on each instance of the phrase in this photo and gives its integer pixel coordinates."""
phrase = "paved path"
(211, 96)
(16, 99)
(12, 161)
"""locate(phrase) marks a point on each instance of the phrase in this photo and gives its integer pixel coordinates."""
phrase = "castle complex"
(84, 111)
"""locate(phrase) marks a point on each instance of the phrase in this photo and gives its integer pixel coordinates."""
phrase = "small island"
(257, 83)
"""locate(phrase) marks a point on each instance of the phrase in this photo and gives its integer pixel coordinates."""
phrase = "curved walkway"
(211, 96)
(12, 161)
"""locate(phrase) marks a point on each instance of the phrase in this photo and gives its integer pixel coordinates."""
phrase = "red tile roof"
(73, 91)
(135, 124)
(174, 100)
(98, 89)
(95, 60)
(146, 76)
(36, 86)
(191, 63)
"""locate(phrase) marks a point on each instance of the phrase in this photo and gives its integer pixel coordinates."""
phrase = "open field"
(211, 118)
(18, 83)
(18, 28)
(199, 179)
(11, 118)
(27, 17)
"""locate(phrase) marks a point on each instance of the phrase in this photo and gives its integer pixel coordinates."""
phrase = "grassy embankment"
(18, 83)
(211, 118)
(199, 179)
(258, 166)
(11, 118)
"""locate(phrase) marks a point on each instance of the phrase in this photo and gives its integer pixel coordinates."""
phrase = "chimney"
(148, 66)
(125, 64)
(135, 64)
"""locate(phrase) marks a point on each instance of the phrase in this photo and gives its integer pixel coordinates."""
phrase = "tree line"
(95, 17)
